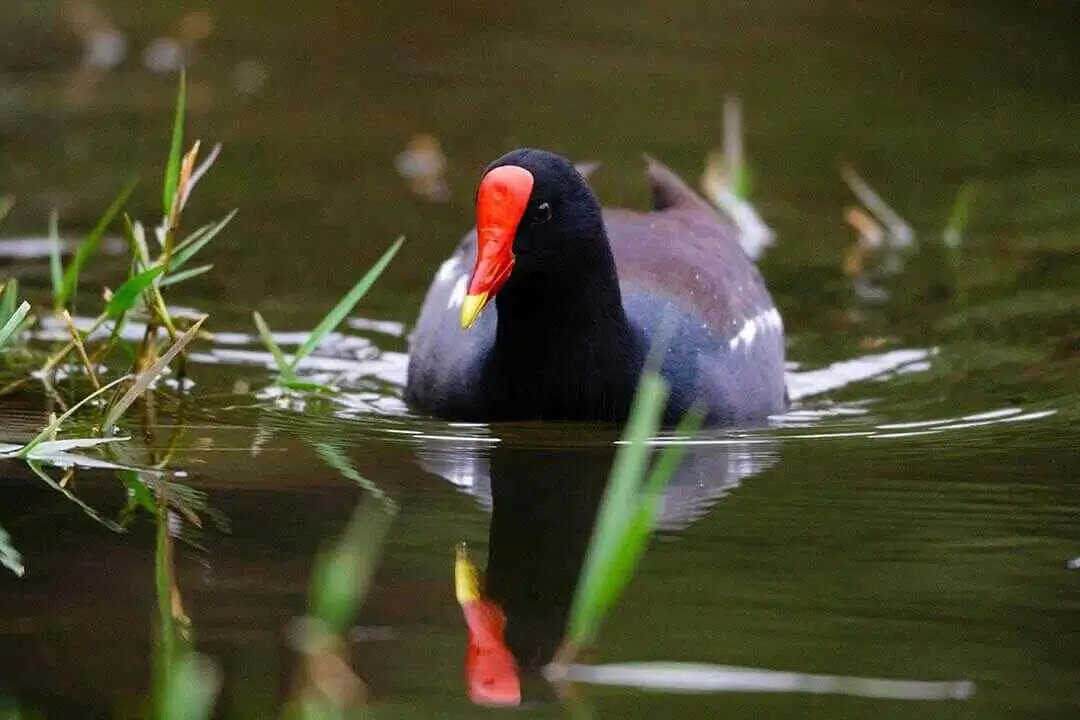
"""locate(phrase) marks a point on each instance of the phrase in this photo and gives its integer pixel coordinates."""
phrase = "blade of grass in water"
(53, 428)
(898, 227)
(14, 322)
(337, 459)
(191, 688)
(672, 456)
(171, 640)
(172, 165)
(48, 449)
(183, 187)
(14, 316)
(202, 169)
(138, 491)
(630, 541)
(306, 386)
(342, 575)
(86, 249)
(9, 299)
(35, 467)
(702, 678)
(147, 376)
(958, 218)
(738, 173)
(136, 237)
(179, 277)
(56, 264)
(197, 241)
(9, 556)
(343, 308)
(621, 527)
(128, 294)
(268, 340)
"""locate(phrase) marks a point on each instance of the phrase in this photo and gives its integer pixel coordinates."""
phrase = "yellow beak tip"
(471, 307)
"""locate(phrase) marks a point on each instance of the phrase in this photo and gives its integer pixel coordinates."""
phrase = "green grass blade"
(35, 467)
(204, 167)
(191, 688)
(738, 179)
(631, 542)
(193, 237)
(138, 491)
(13, 319)
(6, 203)
(8, 301)
(672, 455)
(628, 510)
(632, 459)
(176, 148)
(741, 183)
(136, 237)
(338, 460)
(52, 428)
(958, 218)
(621, 528)
(342, 575)
(306, 386)
(183, 275)
(147, 376)
(50, 449)
(90, 244)
(198, 240)
(128, 294)
(9, 556)
(628, 551)
(170, 642)
(267, 337)
(896, 225)
(616, 558)
(56, 263)
(343, 308)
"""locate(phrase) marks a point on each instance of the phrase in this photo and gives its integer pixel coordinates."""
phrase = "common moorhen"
(581, 294)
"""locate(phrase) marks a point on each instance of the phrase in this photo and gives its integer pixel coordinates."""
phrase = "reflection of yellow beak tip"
(471, 307)
(466, 577)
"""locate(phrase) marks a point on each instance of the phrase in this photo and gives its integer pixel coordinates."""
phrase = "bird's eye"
(541, 214)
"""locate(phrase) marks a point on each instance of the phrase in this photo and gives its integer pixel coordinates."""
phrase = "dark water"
(913, 517)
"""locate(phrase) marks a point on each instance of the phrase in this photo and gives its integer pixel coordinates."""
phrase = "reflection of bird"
(544, 494)
(713, 465)
(580, 296)
(544, 505)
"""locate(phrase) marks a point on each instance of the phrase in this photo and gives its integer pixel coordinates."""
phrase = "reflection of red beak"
(501, 200)
(490, 669)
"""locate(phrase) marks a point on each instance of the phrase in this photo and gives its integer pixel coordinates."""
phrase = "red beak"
(501, 200)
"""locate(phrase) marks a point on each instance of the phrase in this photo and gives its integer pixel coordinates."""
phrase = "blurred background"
(940, 551)
(315, 104)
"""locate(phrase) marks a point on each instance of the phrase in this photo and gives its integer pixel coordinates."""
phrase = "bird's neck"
(564, 347)
(559, 308)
